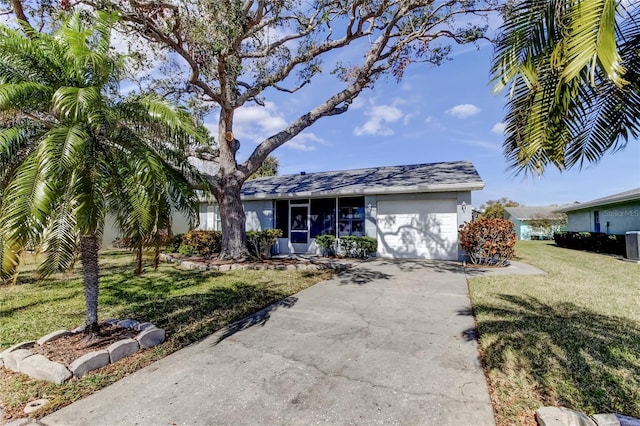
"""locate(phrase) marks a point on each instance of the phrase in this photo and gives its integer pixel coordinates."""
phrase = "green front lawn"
(189, 305)
(570, 338)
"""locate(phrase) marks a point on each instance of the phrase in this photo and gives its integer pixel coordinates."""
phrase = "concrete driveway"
(387, 342)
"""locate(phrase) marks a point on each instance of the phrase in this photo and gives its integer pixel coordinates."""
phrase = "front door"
(299, 227)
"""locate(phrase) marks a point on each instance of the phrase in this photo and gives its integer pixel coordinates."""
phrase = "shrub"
(488, 241)
(598, 242)
(187, 250)
(203, 243)
(327, 244)
(174, 243)
(359, 247)
(121, 243)
(260, 243)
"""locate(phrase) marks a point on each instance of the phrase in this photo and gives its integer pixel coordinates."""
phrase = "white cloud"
(257, 123)
(408, 118)
(463, 111)
(429, 119)
(304, 141)
(378, 116)
(498, 128)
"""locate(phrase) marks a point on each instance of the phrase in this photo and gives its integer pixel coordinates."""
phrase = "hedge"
(598, 242)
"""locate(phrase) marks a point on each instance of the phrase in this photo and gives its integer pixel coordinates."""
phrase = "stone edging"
(561, 416)
(304, 265)
(20, 359)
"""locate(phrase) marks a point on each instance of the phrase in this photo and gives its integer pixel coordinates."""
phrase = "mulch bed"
(67, 349)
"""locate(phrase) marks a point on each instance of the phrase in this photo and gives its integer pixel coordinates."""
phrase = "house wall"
(621, 218)
(180, 225)
(259, 215)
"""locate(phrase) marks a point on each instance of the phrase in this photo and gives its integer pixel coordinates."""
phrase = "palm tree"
(68, 142)
(573, 73)
(147, 198)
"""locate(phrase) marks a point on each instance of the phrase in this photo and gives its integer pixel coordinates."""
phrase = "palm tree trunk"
(89, 257)
(139, 259)
(156, 256)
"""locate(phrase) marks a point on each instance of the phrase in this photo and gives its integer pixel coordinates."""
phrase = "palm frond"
(591, 41)
(73, 103)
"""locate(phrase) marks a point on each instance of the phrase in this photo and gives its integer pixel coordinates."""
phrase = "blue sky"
(445, 113)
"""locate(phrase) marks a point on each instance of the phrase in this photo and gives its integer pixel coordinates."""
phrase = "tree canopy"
(230, 54)
(572, 70)
(495, 208)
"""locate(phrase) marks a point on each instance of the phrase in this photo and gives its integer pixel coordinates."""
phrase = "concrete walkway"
(387, 342)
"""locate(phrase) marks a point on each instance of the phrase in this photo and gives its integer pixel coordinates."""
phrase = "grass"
(570, 337)
(189, 305)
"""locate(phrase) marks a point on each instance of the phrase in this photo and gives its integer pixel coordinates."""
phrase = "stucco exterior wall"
(614, 219)
(259, 215)
(180, 225)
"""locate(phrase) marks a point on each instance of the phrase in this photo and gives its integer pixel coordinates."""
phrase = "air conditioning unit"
(632, 240)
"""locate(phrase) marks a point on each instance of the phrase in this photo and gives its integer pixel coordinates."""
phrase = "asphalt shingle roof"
(621, 197)
(534, 212)
(432, 177)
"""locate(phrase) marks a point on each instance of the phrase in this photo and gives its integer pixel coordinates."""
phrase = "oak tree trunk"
(233, 223)
(89, 258)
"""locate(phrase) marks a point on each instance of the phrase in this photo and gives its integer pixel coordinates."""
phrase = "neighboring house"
(615, 214)
(535, 222)
(413, 211)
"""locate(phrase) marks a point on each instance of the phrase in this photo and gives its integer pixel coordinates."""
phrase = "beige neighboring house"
(535, 222)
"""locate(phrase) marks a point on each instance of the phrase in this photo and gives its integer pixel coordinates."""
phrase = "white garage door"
(418, 229)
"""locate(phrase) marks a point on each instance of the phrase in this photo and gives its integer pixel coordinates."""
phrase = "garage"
(418, 229)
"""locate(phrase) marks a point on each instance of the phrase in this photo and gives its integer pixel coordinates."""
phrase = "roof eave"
(471, 186)
(595, 203)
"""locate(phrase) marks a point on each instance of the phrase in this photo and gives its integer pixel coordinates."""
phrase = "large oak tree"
(232, 53)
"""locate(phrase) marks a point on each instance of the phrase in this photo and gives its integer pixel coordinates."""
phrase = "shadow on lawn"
(191, 317)
(578, 357)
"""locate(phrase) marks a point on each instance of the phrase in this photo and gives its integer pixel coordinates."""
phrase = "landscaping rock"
(143, 326)
(53, 336)
(41, 368)
(128, 323)
(561, 416)
(224, 268)
(150, 337)
(122, 349)
(22, 345)
(78, 329)
(112, 321)
(606, 419)
(627, 421)
(35, 405)
(12, 359)
(89, 362)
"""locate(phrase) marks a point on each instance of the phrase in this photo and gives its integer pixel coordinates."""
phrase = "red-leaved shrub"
(488, 241)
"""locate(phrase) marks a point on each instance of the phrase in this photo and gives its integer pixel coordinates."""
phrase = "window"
(214, 222)
(351, 216)
(323, 217)
(282, 217)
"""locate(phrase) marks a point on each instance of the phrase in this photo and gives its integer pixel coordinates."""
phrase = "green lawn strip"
(189, 305)
(570, 337)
